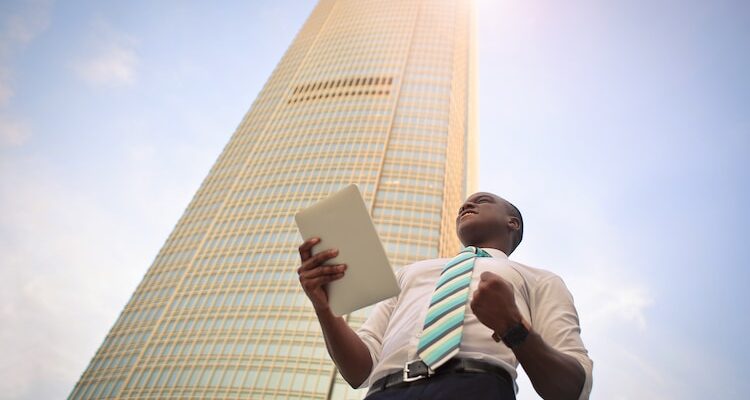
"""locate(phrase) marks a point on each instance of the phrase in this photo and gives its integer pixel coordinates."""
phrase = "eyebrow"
(484, 196)
(478, 198)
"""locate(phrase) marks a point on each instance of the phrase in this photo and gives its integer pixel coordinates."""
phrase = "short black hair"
(518, 235)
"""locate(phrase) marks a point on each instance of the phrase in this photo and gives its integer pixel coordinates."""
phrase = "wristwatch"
(513, 336)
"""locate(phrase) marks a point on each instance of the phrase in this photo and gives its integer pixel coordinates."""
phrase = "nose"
(465, 206)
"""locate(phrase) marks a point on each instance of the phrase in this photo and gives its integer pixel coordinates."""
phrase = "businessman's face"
(481, 217)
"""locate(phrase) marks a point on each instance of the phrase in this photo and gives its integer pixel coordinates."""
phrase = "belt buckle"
(416, 370)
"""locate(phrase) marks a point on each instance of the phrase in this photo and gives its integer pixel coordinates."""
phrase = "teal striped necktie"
(443, 325)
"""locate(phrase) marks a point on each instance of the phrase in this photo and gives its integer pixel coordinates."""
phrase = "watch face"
(515, 336)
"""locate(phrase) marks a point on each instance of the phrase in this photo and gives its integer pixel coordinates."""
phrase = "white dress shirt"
(392, 330)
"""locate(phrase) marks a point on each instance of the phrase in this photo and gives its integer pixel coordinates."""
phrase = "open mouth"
(462, 216)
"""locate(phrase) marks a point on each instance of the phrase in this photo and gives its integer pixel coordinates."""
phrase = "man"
(444, 339)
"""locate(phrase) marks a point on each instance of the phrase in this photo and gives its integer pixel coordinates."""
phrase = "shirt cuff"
(371, 349)
(588, 366)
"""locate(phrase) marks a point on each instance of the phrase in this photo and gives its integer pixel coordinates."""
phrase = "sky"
(620, 129)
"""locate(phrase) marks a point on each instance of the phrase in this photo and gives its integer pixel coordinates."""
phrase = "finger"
(322, 280)
(484, 286)
(320, 258)
(322, 270)
(479, 293)
(305, 249)
(474, 306)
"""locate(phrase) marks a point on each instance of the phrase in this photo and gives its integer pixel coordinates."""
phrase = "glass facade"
(377, 93)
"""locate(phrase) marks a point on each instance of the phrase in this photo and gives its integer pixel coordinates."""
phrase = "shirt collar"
(495, 253)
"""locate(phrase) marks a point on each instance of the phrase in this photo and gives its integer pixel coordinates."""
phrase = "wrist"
(515, 334)
(502, 326)
(323, 311)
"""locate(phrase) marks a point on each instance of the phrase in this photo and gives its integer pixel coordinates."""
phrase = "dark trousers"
(459, 386)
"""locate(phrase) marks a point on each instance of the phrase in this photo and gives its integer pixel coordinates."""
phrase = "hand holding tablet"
(344, 265)
(313, 275)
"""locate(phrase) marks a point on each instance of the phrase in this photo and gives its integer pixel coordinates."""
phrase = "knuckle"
(478, 298)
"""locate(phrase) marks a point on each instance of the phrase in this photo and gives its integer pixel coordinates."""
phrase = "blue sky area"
(620, 129)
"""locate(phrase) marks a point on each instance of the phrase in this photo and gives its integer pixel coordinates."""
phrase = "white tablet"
(342, 221)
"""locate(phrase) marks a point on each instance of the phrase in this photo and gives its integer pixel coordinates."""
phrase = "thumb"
(486, 276)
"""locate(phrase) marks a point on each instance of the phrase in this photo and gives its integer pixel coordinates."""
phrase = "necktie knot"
(476, 250)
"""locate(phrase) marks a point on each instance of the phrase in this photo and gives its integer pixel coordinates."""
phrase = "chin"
(466, 237)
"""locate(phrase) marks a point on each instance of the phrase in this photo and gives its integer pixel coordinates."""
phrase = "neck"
(499, 244)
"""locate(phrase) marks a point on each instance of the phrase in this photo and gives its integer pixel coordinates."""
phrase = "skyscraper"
(378, 93)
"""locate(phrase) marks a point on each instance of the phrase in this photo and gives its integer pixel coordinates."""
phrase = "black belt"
(417, 370)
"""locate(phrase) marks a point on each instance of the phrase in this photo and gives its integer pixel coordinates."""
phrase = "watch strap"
(513, 336)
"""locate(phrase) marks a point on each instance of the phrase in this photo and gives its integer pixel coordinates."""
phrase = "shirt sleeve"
(555, 318)
(373, 329)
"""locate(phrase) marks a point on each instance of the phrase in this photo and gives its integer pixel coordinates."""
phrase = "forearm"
(555, 375)
(349, 353)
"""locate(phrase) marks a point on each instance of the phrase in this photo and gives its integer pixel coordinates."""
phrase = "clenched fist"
(494, 304)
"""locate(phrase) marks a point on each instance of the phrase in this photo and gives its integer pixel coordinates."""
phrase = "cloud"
(6, 90)
(22, 25)
(72, 254)
(13, 132)
(49, 246)
(69, 262)
(638, 353)
(17, 30)
(22, 29)
(113, 65)
(111, 59)
(614, 301)
(609, 300)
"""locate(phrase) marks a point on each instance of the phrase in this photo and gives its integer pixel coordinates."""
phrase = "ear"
(514, 224)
